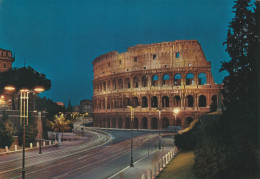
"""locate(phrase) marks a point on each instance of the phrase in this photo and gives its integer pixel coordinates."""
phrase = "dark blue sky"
(61, 38)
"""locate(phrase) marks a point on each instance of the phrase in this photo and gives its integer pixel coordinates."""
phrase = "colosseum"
(151, 78)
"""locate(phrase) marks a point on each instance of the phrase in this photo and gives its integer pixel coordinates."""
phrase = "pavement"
(145, 163)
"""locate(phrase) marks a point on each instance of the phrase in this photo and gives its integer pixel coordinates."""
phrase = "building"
(6, 61)
(165, 75)
(86, 106)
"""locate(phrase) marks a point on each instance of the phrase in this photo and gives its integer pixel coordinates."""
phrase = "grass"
(180, 167)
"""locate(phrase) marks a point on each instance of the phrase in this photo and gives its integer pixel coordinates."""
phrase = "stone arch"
(177, 101)
(178, 122)
(135, 82)
(135, 102)
(113, 122)
(127, 101)
(104, 86)
(108, 123)
(202, 79)
(189, 79)
(144, 102)
(188, 120)
(127, 123)
(108, 85)
(127, 83)
(165, 80)
(136, 123)
(120, 123)
(154, 102)
(120, 84)
(155, 80)
(154, 123)
(189, 101)
(144, 123)
(144, 81)
(202, 101)
(165, 122)
(165, 101)
(114, 84)
(177, 79)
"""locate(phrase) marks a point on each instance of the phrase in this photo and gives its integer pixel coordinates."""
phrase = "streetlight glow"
(9, 88)
(38, 89)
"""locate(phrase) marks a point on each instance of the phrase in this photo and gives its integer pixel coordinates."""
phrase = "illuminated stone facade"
(164, 75)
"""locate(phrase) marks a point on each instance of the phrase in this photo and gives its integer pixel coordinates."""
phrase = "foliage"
(60, 123)
(213, 107)
(188, 140)
(52, 109)
(30, 132)
(227, 147)
(25, 77)
(6, 131)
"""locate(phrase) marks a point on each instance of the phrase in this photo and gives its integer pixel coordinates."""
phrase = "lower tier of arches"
(144, 121)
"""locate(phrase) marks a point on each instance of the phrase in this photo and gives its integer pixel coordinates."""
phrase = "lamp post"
(24, 110)
(132, 118)
(159, 125)
(175, 112)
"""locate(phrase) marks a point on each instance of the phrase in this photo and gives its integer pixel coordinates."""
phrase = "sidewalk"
(142, 165)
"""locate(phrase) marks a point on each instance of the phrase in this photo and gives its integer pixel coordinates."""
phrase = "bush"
(188, 140)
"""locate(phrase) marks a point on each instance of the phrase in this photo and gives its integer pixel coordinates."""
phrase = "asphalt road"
(82, 161)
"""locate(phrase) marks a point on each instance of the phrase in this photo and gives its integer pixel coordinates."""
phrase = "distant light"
(176, 110)
(24, 90)
(9, 88)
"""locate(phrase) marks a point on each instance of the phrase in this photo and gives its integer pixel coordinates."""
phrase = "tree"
(228, 146)
(25, 77)
(60, 124)
(6, 131)
(30, 132)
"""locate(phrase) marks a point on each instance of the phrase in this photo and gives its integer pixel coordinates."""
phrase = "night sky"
(61, 38)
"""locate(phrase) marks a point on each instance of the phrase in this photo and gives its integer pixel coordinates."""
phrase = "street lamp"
(159, 125)
(24, 110)
(132, 118)
(175, 112)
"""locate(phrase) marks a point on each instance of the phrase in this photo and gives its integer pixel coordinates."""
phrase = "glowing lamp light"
(24, 90)
(38, 89)
(10, 88)
(176, 110)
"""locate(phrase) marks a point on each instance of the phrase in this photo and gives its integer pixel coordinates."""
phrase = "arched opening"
(202, 101)
(214, 105)
(154, 123)
(104, 86)
(155, 80)
(127, 123)
(135, 102)
(154, 102)
(120, 84)
(100, 122)
(190, 79)
(108, 103)
(144, 102)
(104, 122)
(114, 84)
(113, 123)
(127, 102)
(144, 123)
(136, 123)
(189, 101)
(202, 78)
(166, 80)
(127, 83)
(136, 82)
(96, 122)
(108, 123)
(165, 123)
(165, 101)
(177, 101)
(189, 120)
(144, 81)
(178, 122)
(177, 80)
(120, 123)
(108, 85)
(100, 85)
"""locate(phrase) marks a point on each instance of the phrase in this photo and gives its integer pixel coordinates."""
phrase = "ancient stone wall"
(164, 75)
(6, 60)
